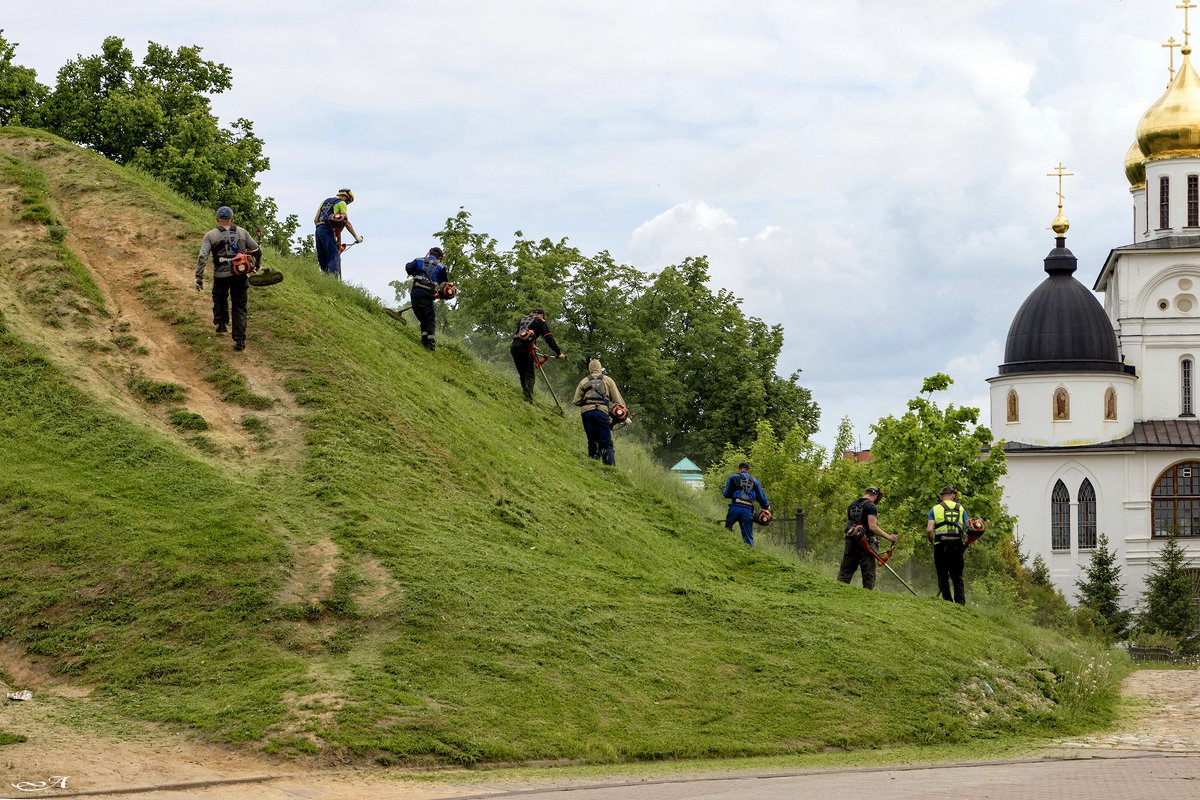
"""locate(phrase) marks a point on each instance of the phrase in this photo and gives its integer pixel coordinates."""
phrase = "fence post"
(800, 543)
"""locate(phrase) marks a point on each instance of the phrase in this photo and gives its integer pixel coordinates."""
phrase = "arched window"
(1060, 518)
(1014, 406)
(1087, 516)
(1176, 500)
(1062, 405)
(1110, 403)
(1185, 387)
(1164, 202)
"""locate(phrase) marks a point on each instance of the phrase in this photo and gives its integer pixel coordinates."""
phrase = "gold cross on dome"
(1187, 6)
(1060, 172)
(1171, 45)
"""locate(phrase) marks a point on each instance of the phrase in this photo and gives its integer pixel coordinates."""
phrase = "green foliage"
(436, 572)
(1100, 591)
(21, 95)
(1168, 602)
(699, 372)
(157, 116)
(11, 738)
(798, 474)
(927, 448)
(188, 420)
(157, 391)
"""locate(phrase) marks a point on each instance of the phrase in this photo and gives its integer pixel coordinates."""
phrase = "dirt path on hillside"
(135, 757)
(123, 243)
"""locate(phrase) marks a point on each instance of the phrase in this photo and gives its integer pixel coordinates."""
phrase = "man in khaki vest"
(596, 395)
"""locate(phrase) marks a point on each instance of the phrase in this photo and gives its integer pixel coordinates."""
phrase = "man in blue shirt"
(428, 276)
(742, 490)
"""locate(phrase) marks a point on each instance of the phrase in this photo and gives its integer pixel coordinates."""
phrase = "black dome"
(1061, 326)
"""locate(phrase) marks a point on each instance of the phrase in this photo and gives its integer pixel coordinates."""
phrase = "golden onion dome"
(1135, 166)
(1171, 127)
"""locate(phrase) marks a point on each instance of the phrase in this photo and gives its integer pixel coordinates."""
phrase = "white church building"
(1096, 401)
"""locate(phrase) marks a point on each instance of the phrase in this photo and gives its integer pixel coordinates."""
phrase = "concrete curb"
(804, 773)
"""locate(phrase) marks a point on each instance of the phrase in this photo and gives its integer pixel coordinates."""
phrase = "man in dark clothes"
(428, 276)
(946, 530)
(225, 243)
(862, 520)
(530, 327)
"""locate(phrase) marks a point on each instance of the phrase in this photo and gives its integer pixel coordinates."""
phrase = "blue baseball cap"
(224, 212)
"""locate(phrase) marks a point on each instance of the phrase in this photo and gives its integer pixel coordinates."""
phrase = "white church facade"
(1097, 401)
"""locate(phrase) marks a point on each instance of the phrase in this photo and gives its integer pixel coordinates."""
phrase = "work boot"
(429, 343)
(221, 327)
(239, 345)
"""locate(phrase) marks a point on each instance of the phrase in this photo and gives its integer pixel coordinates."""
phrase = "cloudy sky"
(871, 175)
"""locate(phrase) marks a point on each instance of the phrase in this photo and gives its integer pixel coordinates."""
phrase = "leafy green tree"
(1100, 590)
(928, 447)
(698, 372)
(1045, 602)
(1168, 603)
(798, 474)
(21, 96)
(158, 115)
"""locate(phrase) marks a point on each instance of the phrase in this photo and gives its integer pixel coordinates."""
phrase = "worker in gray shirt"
(235, 255)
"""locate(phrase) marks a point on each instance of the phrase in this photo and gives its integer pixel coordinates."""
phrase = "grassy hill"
(336, 540)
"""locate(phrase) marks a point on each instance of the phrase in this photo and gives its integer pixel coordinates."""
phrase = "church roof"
(1164, 243)
(685, 465)
(1061, 326)
(1155, 434)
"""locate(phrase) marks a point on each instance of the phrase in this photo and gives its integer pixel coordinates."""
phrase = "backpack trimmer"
(540, 358)
(860, 533)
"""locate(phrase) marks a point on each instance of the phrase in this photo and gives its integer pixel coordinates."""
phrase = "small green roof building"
(689, 473)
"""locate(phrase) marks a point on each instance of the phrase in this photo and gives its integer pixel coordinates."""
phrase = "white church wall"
(1087, 424)
(1122, 481)
(1140, 228)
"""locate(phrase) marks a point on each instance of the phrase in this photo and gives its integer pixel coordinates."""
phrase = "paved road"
(1146, 777)
(1149, 776)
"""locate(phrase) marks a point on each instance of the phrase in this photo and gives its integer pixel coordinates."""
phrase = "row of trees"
(1169, 614)
(699, 372)
(156, 115)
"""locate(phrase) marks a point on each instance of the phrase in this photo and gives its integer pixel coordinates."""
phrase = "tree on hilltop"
(156, 115)
(20, 93)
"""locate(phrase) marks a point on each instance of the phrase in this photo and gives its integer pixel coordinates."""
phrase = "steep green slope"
(428, 568)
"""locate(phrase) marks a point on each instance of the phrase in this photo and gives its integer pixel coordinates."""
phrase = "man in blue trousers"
(742, 490)
(330, 219)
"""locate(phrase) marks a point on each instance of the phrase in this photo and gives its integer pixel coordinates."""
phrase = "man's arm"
(873, 525)
(548, 337)
(727, 491)
(929, 526)
(202, 261)
(614, 393)
(762, 495)
(579, 392)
